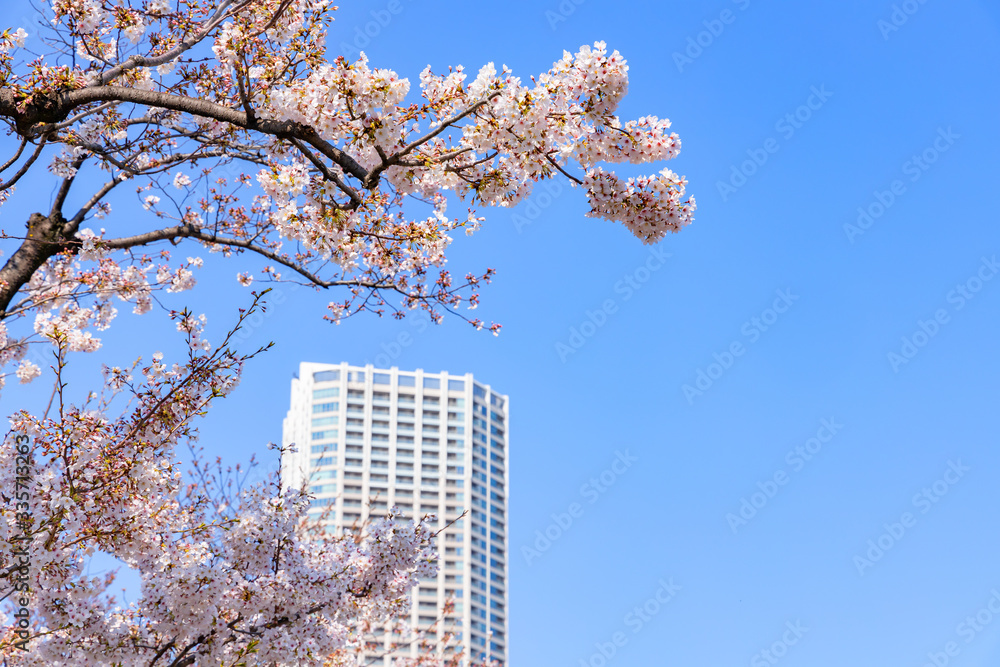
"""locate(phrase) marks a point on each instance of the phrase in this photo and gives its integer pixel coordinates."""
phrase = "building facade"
(368, 439)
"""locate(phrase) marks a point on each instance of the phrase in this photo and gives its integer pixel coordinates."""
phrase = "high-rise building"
(368, 439)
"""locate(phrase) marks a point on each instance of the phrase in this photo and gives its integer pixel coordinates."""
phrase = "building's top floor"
(392, 382)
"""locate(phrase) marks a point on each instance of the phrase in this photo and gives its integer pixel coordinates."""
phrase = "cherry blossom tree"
(240, 134)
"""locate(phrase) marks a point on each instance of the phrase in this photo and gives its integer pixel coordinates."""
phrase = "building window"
(326, 376)
(456, 385)
(324, 435)
(355, 376)
(326, 407)
(432, 383)
(380, 378)
(329, 392)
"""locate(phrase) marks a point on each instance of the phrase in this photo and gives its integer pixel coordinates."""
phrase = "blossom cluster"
(223, 586)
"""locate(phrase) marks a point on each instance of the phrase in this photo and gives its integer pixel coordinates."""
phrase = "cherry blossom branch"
(371, 180)
(328, 174)
(153, 61)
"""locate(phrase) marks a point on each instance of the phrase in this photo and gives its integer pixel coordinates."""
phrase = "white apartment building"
(425, 443)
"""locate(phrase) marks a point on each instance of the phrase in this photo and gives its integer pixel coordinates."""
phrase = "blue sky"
(913, 108)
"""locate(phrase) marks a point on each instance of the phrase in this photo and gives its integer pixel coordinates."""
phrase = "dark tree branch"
(27, 165)
(20, 149)
(328, 174)
(55, 108)
(44, 240)
(183, 231)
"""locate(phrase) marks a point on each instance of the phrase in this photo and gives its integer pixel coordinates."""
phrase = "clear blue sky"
(887, 96)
